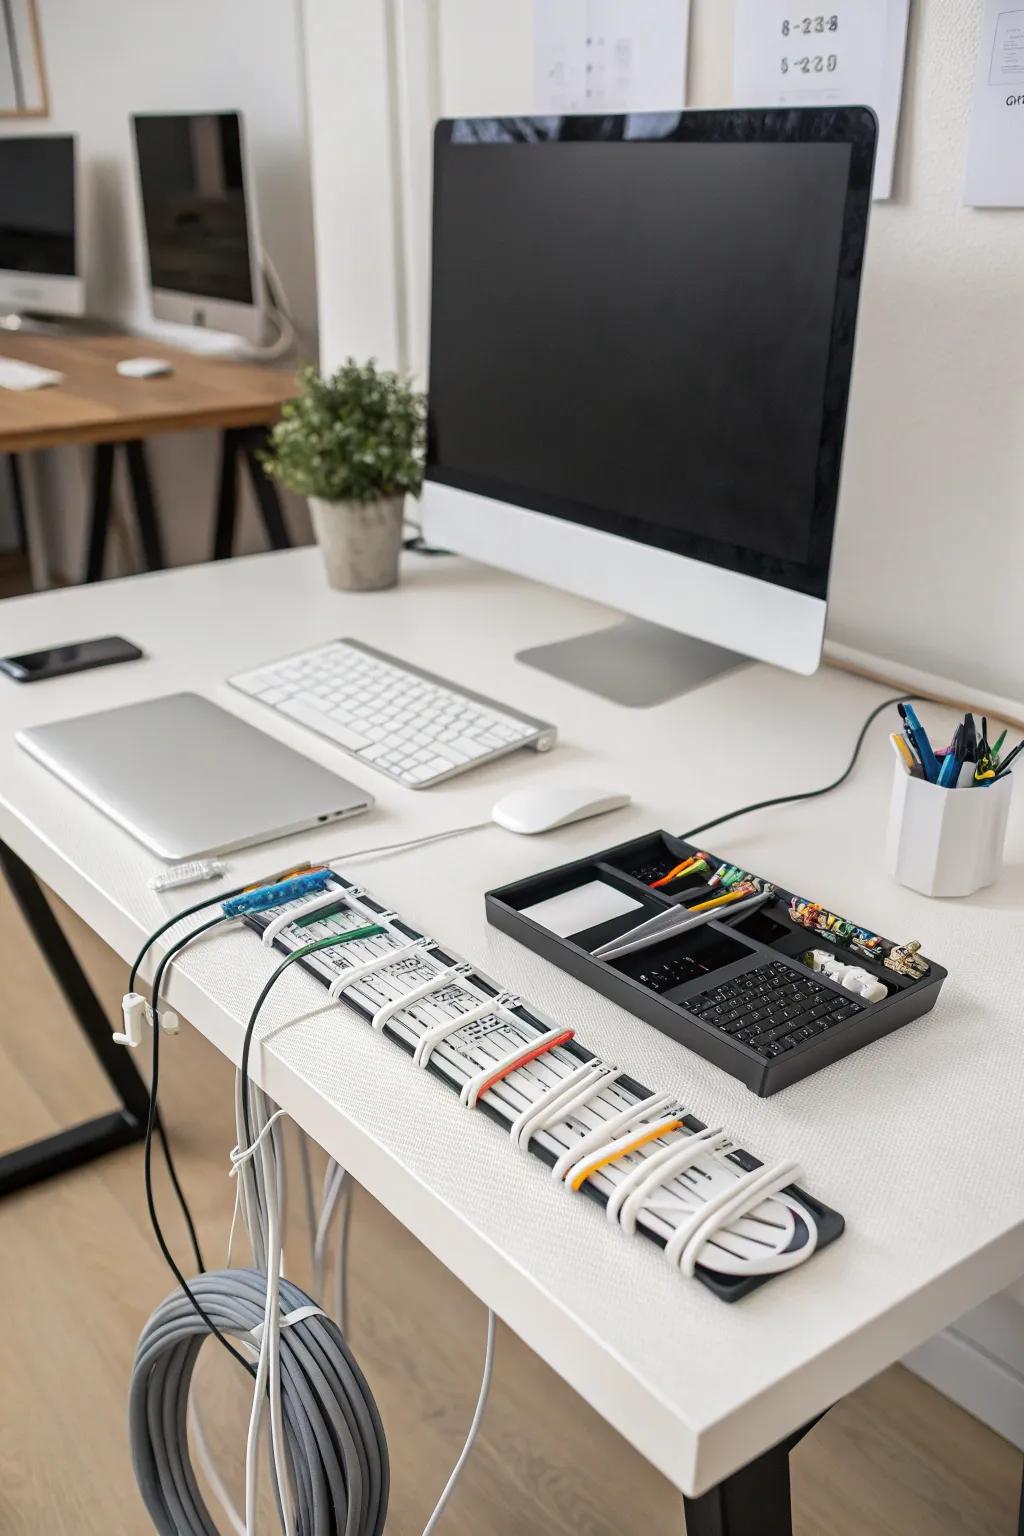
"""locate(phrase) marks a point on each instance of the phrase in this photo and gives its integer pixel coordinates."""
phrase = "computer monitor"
(199, 219)
(40, 256)
(641, 342)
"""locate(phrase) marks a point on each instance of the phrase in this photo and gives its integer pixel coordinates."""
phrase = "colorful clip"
(486, 1079)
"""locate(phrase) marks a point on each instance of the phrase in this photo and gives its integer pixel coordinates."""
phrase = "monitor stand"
(633, 663)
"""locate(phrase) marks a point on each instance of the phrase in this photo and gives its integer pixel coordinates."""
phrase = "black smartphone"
(77, 657)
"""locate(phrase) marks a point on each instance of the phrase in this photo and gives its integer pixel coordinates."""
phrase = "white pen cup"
(946, 842)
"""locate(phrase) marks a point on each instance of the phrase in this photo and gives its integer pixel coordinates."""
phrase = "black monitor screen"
(37, 205)
(645, 325)
(193, 203)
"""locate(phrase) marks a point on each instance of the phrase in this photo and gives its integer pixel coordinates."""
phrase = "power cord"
(805, 794)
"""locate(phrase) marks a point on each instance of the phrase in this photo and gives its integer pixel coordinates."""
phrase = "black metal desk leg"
(754, 1501)
(99, 517)
(266, 495)
(227, 495)
(18, 499)
(1020, 1517)
(145, 506)
(81, 1143)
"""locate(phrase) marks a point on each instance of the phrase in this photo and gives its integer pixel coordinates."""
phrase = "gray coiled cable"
(337, 1451)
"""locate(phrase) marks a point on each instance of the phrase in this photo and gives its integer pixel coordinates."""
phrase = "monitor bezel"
(853, 126)
(49, 293)
(245, 318)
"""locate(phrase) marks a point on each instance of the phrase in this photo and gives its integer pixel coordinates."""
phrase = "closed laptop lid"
(188, 778)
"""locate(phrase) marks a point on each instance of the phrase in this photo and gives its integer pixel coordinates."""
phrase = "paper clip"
(558, 1103)
(428, 1043)
(353, 974)
(497, 1071)
(397, 1004)
(631, 1194)
(656, 1104)
(747, 1192)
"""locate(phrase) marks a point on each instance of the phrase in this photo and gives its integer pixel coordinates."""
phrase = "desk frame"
(39, 1160)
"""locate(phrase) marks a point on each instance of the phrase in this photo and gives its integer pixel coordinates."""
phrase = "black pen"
(1004, 766)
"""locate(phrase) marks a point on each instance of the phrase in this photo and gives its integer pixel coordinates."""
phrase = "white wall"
(931, 535)
(108, 58)
(930, 553)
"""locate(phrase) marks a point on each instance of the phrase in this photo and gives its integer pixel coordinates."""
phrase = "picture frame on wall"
(23, 86)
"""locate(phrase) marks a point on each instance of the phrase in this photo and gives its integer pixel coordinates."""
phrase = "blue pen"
(919, 736)
(949, 772)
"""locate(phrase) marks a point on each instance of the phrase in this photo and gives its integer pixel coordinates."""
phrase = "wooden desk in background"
(94, 405)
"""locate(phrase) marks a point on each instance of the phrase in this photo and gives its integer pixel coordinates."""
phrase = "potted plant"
(353, 444)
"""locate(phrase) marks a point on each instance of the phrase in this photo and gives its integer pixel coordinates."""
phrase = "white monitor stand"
(633, 662)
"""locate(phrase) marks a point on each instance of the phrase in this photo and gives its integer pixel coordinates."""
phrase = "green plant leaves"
(355, 436)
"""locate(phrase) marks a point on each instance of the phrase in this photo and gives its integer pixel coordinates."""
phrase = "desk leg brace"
(755, 1501)
(246, 441)
(93, 1138)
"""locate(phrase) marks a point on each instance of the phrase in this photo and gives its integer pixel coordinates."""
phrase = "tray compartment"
(728, 947)
(710, 952)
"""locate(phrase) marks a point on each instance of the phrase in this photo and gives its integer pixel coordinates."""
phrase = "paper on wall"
(791, 53)
(609, 55)
(995, 153)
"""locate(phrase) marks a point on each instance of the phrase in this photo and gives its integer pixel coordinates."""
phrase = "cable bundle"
(337, 1452)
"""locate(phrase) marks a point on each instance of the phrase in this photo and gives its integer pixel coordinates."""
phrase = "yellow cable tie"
(650, 1133)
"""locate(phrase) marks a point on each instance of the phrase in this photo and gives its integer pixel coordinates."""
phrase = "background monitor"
(40, 258)
(202, 244)
(641, 342)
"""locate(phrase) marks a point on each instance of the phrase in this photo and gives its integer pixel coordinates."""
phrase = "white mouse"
(144, 367)
(554, 805)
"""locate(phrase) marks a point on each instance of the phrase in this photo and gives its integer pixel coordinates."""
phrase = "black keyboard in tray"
(735, 989)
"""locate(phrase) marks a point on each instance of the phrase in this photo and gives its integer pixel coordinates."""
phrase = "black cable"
(179, 917)
(154, 1088)
(193, 1236)
(806, 794)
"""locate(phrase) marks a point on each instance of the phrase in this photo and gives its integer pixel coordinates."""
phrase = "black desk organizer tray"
(324, 966)
(718, 952)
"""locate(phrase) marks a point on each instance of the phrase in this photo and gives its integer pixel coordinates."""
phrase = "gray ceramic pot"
(360, 541)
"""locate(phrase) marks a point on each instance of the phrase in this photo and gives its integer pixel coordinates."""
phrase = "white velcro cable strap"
(435, 984)
(428, 1043)
(631, 1194)
(559, 1101)
(328, 898)
(623, 1121)
(298, 1316)
(748, 1191)
(521, 1056)
(353, 974)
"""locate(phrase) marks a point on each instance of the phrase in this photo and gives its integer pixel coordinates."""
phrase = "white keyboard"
(18, 375)
(407, 723)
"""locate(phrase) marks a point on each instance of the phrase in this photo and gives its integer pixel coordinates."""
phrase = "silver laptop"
(188, 779)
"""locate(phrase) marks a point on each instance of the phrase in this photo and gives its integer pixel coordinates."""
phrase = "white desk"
(918, 1140)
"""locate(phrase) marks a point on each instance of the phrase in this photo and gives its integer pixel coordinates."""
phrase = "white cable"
(632, 1192)
(436, 982)
(623, 1121)
(689, 1237)
(354, 974)
(428, 1043)
(474, 1429)
(411, 842)
(559, 1101)
(288, 915)
(523, 1056)
(616, 1147)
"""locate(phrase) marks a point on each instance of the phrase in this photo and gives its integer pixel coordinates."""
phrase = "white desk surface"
(918, 1139)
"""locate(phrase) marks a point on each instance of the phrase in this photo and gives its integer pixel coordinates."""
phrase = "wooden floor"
(79, 1273)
